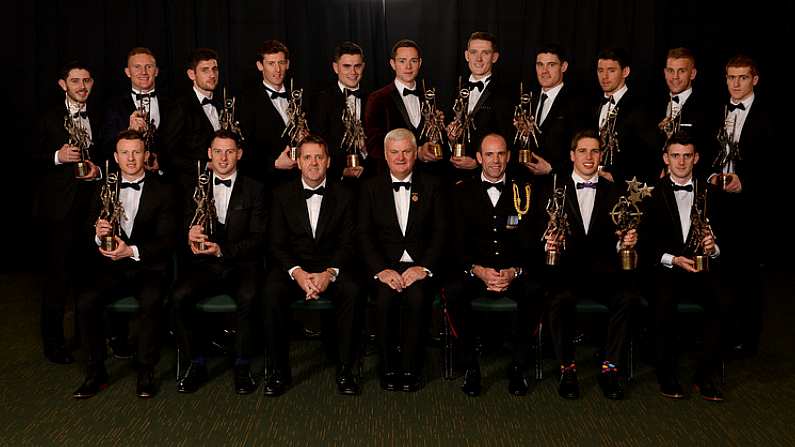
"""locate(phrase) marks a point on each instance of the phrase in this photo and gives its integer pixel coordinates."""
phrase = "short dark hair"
(313, 139)
(63, 73)
(226, 134)
(681, 53)
(129, 134)
(347, 47)
(272, 46)
(484, 35)
(682, 138)
(199, 55)
(585, 133)
(742, 60)
(405, 43)
(140, 50)
(553, 48)
(619, 55)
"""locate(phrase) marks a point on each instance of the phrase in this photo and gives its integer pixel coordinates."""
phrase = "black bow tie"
(581, 185)
(497, 185)
(134, 185)
(227, 182)
(606, 99)
(274, 94)
(206, 101)
(311, 192)
(150, 95)
(480, 85)
(675, 99)
(688, 188)
(397, 185)
(733, 107)
(80, 114)
(408, 91)
(357, 93)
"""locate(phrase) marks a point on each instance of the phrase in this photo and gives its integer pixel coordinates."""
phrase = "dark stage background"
(44, 34)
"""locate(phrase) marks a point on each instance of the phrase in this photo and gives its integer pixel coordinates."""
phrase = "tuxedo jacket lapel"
(483, 98)
(327, 206)
(574, 205)
(402, 108)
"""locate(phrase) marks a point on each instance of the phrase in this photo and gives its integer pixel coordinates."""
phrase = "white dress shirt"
(474, 94)
(585, 198)
(154, 105)
(607, 106)
(209, 110)
(674, 108)
(412, 102)
(280, 104)
(313, 208)
(353, 102)
(221, 195)
(402, 204)
(494, 194)
(552, 93)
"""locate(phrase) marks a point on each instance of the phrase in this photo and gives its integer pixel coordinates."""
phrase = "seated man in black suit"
(589, 268)
(493, 249)
(231, 260)
(326, 115)
(673, 242)
(401, 229)
(312, 247)
(140, 264)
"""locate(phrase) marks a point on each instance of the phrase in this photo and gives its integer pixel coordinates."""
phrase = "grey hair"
(400, 134)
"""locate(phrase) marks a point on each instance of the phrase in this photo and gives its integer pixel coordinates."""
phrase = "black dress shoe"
(391, 381)
(471, 386)
(146, 388)
(346, 381)
(569, 386)
(611, 384)
(708, 390)
(276, 383)
(95, 382)
(671, 388)
(120, 348)
(59, 355)
(194, 377)
(518, 384)
(244, 381)
(412, 382)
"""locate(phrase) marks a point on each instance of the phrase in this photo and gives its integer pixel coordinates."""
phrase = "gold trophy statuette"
(558, 225)
(527, 130)
(626, 215)
(297, 127)
(78, 136)
(462, 125)
(700, 228)
(729, 153)
(353, 140)
(433, 121)
(112, 210)
(204, 215)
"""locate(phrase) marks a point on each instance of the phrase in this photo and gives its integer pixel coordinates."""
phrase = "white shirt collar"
(321, 185)
(407, 179)
(577, 179)
(746, 102)
(485, 79)
(141, 92)
(483, 178)
(343, 87)
(688, 182)
(683, 95)
(135, 180)
(401, 86)
(199, 95)
(553, 92)
(277, 90)
(232, 176)
(618, 94)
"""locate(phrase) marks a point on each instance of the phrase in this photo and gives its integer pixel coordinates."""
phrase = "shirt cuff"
(97, 241)
(336, 273)
(667, 260)
(136, 256)
(430, 273)
(57, 162)
(717, 252)
(290, 272)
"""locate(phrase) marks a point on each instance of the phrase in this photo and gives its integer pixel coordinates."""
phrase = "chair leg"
(179, 365)
(539, 354)
(631, 358)
(448, 365)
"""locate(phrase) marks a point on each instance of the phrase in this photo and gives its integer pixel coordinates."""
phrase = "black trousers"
(672, 287)
(280, 291)
(402, 319)
(149, 287)
(204, 279)
(617, 291)
(462, 289)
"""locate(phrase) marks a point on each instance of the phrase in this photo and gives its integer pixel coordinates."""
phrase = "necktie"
(227, 182)
(688, 188)
(357, 93)
(472, 85)
(541, 106)
(134, 185)
(150, 95)
(675, 99)
(488, 185)
(581, 185)
(408, 91)
(733, 107)
(80, 114)
(397, 185)
(311, 192)
(274, 94)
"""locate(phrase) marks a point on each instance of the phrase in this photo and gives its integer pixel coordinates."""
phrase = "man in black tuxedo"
(670, 252)
(489, 104)
(493, 253)
(637, 155)
(187, 135)
(122, 111)
(329, 105)
(263, 118)
(557, 111)
(683, 107)
(588, 268)
(401, 229)
(396, 105)
(745, 183)
(312, 233)
(230, 260)
(62, 199)
(140, 264)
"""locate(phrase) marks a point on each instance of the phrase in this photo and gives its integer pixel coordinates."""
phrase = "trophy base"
(108, 243)
(701, 263)
(525, 156)
(82, 169)
(293, 153)
(552, 258)
(458, 150)
(352, 161)
(629, 259)
(201, 246)
(436, 148)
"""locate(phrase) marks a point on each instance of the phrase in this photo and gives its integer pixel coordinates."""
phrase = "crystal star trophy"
(626, 216)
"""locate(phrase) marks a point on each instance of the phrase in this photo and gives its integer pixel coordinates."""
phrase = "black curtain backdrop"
(45, 34)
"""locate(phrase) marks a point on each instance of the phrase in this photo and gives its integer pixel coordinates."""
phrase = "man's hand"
(606, 175)
(392, 279)
(426, 153)
(122, 250)
(538, 166)
(628, 239)
(196, 236)
(412, 275)
(69, 154)
(284, 161)
(708, 243)
(454, 130)
(93, 171)
(733, 183)
(490, 277)
(137, 121)
(353, 172)
(464, 162)
(684, 263)
(321, 281)
(152, 164)
(102, 228)
(304, 281)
